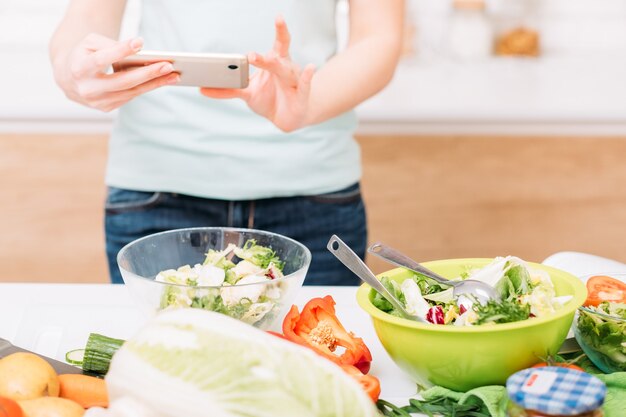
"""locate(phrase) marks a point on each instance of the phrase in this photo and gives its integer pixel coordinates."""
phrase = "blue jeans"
(311, 220)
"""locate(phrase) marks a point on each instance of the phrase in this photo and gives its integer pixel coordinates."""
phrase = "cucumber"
(75, 357)
(99, 352)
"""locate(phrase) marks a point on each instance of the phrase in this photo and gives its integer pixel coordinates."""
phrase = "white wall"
(29, 98)
(578, 80)
(567, 26)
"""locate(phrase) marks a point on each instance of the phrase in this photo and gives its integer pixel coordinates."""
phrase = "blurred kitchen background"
(503, 132)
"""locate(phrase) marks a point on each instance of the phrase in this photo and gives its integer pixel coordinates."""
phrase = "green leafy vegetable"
(195, 363)
(520, 278)
(526, 292)
(381, 302)
(427, 285)
(259, 255)
(506, 289)
(440, 406)
(613, 309)
(506, 311)
(214, 302)
(218, 259)
(231, 277)
(444, 297)
(174, 297)
(515, 282)
(604, 335)
(221, 285)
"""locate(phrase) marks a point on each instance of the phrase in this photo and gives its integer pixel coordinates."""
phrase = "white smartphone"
(196, 69)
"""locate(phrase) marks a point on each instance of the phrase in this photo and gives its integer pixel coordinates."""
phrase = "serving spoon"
(479, 290)
(351, 260)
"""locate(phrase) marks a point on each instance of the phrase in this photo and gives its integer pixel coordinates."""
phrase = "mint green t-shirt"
(176, 140)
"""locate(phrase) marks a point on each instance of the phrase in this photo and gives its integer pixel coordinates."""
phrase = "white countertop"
(52, 319)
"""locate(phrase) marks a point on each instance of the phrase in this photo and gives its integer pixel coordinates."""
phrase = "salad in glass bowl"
(600, 328)
(247, 274)
(524, 292)
(230, 270)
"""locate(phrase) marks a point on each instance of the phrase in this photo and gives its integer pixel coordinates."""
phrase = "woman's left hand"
(279, 90)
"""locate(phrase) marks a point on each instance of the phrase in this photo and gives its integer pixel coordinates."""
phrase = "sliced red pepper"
(370, 384)
(318, 328)
(273, 334)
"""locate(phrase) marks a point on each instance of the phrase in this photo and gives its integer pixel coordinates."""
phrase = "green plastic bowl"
(462, 358)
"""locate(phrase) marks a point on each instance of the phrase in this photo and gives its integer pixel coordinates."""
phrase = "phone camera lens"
(233, 67)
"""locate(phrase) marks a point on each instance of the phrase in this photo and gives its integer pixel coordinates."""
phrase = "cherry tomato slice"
(602, 288)
(560, 365)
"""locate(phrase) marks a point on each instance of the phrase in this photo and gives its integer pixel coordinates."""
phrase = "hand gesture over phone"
(280, 90)
(84, 78)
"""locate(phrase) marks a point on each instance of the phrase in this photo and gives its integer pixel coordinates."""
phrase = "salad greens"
(426, 287)
(259, 255)
(220, 283)
(606, 336)
(524, 291)
(505, 311)
(438, 406)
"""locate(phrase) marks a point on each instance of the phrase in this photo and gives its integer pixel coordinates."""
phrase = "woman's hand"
(280, 90)
(82, 73)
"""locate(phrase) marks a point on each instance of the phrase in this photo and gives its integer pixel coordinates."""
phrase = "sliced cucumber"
(99, 352)
(75, 357)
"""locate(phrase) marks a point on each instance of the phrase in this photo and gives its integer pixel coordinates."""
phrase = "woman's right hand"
(83, 73)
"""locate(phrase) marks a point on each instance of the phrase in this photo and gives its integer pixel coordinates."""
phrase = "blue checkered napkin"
(555, 390)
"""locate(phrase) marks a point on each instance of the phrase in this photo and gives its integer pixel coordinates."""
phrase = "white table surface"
(51, 319)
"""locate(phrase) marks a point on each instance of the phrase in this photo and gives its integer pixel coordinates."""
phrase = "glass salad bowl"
(462, 357)
(601, 331)
(247, 274)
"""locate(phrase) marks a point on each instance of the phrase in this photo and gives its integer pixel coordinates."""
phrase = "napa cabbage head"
(196, 363)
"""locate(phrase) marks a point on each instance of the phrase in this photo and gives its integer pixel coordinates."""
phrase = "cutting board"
(7, 348)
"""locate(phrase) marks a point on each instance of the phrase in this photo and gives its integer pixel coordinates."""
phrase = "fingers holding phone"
(86, 81)
(280, 89)
(100, 52)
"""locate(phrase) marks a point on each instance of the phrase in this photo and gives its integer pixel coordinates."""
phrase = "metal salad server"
(350, 259)
(481, 291)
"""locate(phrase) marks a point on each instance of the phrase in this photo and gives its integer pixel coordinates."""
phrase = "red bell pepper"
(270, 332)
(318, 328)
(369, 383)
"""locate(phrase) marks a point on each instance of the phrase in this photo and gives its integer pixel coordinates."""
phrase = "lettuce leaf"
(196, 363)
